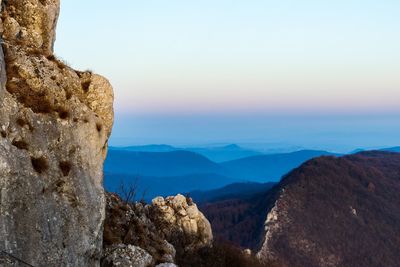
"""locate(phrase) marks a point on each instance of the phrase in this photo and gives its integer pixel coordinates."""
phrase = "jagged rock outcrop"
(160, 233)
(54, 126)
(179, 219)
(336, 212)
(130, 224)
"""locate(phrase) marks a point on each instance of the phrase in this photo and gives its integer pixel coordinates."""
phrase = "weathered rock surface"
(126, 255)
(54, 126)
(149, 227)
(129, 224)
(179, 219)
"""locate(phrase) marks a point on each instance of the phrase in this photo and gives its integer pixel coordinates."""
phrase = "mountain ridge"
(330, 211)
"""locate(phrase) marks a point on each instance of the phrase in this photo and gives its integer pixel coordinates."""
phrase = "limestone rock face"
(54, 127)
(181, 222)
(31, 22)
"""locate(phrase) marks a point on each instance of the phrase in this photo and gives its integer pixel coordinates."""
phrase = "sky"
(312, 73)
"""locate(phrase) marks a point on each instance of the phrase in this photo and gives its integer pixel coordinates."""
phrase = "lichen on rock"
(54, 125)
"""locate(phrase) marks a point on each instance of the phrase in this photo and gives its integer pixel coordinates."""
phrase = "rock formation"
(54, 125)
(179, 219)
(164, 229)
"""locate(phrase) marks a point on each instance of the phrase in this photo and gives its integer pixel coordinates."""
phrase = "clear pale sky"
(176, 65)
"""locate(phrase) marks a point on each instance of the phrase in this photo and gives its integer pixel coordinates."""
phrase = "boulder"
(183, 225)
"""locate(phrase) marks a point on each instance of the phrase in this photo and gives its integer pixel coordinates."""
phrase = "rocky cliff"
(54, 126)
(336, 212)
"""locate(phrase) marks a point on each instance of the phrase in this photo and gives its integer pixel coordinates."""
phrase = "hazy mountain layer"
(260, 168)
(217, 154)
(175, 172)
(269, 167)
(175, 163)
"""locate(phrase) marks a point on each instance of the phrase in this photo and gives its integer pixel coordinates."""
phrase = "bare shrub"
(129, 192)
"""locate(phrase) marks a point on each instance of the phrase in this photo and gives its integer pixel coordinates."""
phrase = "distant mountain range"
(164, 173)
(161, 164)
(216, 154)
(147, 148)
(225, 153)
(166, 170)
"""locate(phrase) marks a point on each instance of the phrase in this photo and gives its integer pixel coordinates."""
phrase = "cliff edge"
(54, 127)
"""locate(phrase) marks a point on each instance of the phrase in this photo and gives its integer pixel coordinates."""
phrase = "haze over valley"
(167, 170)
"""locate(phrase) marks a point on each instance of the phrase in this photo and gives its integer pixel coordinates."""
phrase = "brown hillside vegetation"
(328, 212)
